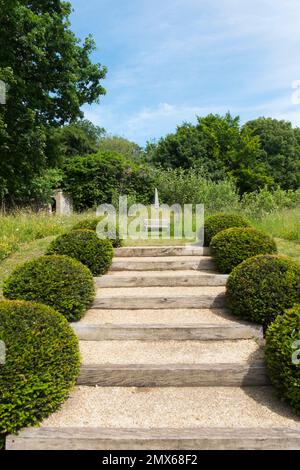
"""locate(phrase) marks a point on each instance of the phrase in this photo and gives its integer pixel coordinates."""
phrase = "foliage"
(94, 179)
(86, 247)
(284, 223)
(113, 143)
(234, 245)
(92, 223)
(264, 152)
(263, 287)
(42, 363)
(49, 76)
(24, 226)
(260, 203)
(58, 281)
(283, 354)
(218, 222)
(28, 251)
(204, 143)
(6, 249)
(79, 138)
(217, 145)
(281, 147)
(181, 186)
(42, 187)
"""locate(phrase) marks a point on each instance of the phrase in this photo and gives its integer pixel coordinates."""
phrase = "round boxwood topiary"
(283, 356)
(41, 363)
(86, 247)
(234, 245)
(58, 281)
(219, 222)
(263, 287)
(91, 224)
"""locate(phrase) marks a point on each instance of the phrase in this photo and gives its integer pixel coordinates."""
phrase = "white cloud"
(173, 59)
(148, 122)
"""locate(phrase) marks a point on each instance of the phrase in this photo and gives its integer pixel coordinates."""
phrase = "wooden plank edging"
(174, 375)
(164, 332)
(86, 438)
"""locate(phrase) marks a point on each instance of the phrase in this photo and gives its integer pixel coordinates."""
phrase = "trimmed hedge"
(91, 224)
(234, 245)
(86, 247)
(58, 281)
(42, 363)
(263, 287)
(219, 222)
(283, 356)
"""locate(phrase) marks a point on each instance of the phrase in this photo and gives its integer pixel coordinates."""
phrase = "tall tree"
(281, 147)
(49, 75)
(79, 138)
(218, 146)
(115, 143)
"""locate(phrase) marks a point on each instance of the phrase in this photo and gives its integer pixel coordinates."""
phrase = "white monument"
(155, 223)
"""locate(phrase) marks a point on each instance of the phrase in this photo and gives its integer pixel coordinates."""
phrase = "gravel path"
(168, 352)
(182, 407)
(179, 316)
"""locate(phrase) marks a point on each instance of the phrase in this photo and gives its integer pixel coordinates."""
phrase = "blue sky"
(171, 60)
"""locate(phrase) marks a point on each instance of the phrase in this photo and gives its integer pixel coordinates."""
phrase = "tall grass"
(276, 212)
(284, 223)
(23, 227)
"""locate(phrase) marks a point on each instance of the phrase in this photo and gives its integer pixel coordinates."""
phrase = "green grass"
(24, 227)
(283, 224)
(289, 248)
(29, 233)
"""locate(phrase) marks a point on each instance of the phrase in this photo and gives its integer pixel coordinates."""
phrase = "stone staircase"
(165, 366)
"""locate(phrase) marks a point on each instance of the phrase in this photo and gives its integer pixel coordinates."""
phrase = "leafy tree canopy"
(114, 143)
(99, 178)
(281, 148)
(79, 138)
(49, 76)
(264, 152)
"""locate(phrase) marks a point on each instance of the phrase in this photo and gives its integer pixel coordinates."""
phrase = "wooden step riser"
(138, 303)
(165, 332)
(161, 251)
(210, 375)
(155, 439)
(157, 281)
(184, 265)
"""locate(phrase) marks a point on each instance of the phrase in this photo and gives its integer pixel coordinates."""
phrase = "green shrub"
(258, 204)
(41, 366)
(86, 247)
(58, 281)
(193, 186)
(283, 356)
(234, 245)
(219, 222)
(91, 224)
(263, 287)
(94, 179)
